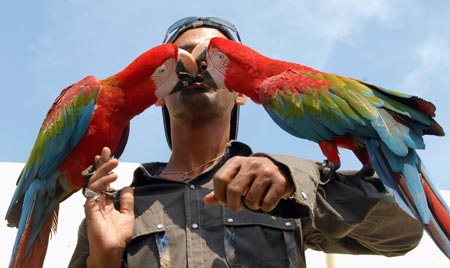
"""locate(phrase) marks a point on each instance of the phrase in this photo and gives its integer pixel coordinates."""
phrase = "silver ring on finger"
(88, 193)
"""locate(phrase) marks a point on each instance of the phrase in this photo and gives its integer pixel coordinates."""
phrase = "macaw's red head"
(235, 66)
(155, 72)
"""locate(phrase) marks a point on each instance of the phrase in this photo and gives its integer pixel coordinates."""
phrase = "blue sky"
(47, 45)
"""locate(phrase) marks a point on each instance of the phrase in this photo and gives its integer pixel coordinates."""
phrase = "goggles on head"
(182, 25)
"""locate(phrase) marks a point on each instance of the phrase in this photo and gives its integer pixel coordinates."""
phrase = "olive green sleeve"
(346, 214)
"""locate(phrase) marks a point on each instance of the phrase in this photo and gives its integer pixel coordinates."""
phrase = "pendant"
(185, 177)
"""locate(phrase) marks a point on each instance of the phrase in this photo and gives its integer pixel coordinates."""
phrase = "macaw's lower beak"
(186, 70)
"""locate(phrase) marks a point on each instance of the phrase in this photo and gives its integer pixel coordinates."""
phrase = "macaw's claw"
(327, 171)
(87, 173)
(366, 171)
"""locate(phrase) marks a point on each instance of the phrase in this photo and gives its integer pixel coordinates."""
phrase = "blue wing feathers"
(56, 139)
(29, 201)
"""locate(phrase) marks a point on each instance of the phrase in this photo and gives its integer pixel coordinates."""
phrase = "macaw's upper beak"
(186, 69)
(199, 52)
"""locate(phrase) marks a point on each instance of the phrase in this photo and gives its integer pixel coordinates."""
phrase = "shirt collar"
(147, 173)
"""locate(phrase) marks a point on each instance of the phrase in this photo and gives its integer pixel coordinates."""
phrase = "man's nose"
(201, 66)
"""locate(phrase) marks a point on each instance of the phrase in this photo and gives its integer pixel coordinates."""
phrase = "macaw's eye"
(161, 71)
(222, 56)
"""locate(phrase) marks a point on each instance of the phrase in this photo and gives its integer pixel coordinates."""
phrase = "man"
(216, 204)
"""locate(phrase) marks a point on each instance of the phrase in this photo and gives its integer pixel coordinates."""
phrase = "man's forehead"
(189, 39)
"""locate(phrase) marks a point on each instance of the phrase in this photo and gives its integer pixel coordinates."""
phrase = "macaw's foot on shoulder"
(366, 171)
(327, 170)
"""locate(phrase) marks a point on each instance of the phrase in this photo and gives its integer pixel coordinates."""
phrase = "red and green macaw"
(84, 118)
(382, 127)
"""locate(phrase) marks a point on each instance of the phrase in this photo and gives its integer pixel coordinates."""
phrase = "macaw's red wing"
(86, 117)
(76, 127)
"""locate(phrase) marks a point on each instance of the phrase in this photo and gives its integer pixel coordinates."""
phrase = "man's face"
(201, 101)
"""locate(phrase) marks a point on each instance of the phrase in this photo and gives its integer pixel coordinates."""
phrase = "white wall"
(62, 244)
(71, 213)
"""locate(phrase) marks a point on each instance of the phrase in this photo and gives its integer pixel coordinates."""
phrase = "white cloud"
(322, 24)
(432, 63)
(340, 20)
(429, 78)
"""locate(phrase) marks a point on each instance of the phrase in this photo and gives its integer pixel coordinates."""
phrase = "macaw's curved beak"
(199, 52)
(186, 69)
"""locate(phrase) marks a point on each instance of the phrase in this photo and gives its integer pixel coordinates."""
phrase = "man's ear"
(241, 99)
(160, 102)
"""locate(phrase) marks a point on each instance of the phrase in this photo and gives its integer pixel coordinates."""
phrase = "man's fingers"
(237, 189)
(127, 201)
(256, 182)
(103, 158)
(105, 155)
(256, 193)
(271, 199)
(222, 178)
(103, 176)
(107, 167)
(211, 200)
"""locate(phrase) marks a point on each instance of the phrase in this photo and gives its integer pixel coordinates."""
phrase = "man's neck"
(195, 146)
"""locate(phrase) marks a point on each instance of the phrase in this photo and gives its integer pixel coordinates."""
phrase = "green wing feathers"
(64, 125)
(348, 106)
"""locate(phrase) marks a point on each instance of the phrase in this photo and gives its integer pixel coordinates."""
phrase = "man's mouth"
(190, 84)
(199, 86)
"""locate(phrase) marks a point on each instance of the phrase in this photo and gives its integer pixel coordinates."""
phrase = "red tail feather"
(437, 208)
(36, 255)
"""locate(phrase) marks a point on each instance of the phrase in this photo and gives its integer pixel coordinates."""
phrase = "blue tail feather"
(38, 205)
(438, 236)
(415, 188)
(385, 162)
(27, 209)
(384, 172)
